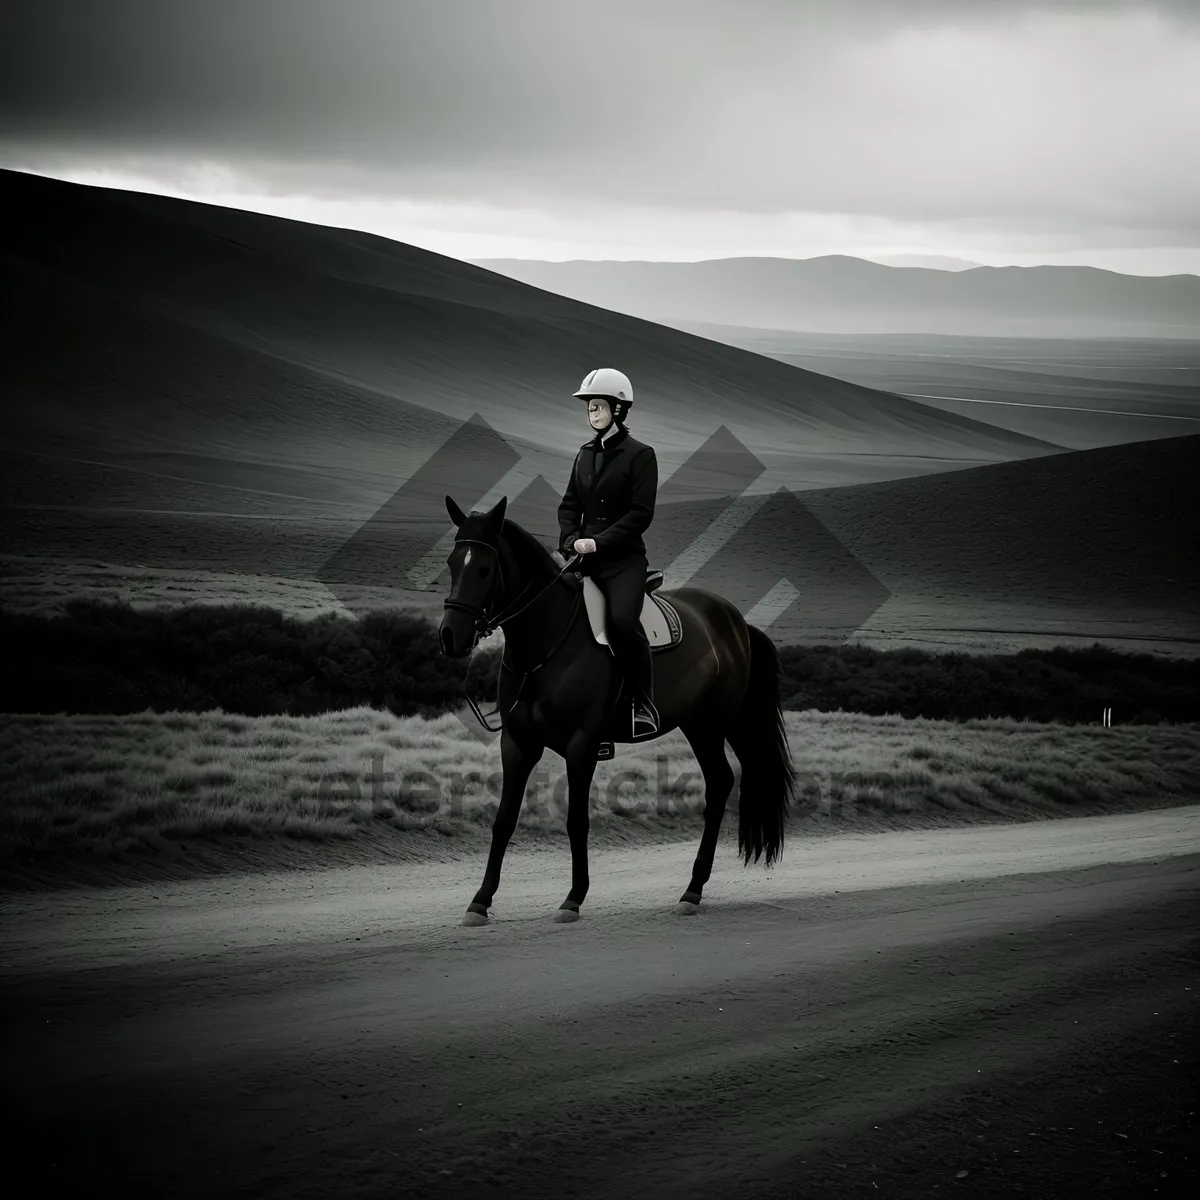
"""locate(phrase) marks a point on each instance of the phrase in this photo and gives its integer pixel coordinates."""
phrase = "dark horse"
(721, 683)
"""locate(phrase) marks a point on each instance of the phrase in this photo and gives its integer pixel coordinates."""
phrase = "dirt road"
(876, 1017)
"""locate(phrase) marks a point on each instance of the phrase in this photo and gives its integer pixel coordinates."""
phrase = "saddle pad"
(659, 618)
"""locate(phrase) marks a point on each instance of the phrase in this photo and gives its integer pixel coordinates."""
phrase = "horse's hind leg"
(708, 743)
(518, 761)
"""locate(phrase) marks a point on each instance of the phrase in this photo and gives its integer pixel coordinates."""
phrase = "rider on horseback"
(608, 504)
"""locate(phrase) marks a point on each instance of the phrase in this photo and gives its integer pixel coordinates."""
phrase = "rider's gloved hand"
(584, 546)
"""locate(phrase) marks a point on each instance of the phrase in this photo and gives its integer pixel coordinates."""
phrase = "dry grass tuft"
(108, 784)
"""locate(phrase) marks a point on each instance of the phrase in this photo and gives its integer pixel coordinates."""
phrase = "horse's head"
(476, 577)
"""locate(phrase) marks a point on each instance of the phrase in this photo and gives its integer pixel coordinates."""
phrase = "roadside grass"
(104, 785)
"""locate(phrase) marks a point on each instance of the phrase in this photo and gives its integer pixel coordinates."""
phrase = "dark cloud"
(1070, 113)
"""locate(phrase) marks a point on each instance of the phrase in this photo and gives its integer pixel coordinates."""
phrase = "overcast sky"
(670, 129)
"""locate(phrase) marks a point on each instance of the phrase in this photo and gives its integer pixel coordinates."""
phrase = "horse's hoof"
(566, 914)
(686, 908)
(476, 915)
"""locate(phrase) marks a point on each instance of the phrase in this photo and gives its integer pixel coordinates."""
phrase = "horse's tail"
(760, 741)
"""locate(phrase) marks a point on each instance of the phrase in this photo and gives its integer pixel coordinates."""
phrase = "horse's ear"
(456, 514)
(496, 515)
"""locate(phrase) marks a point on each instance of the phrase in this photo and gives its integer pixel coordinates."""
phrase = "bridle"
(486, 622)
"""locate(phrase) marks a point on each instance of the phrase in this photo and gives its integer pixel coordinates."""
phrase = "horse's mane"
(527, 548)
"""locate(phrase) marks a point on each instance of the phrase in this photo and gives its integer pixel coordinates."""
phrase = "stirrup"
(645, 719)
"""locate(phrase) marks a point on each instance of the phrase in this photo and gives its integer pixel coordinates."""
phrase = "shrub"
(104, 657)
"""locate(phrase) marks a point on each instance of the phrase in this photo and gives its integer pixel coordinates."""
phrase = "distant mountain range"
(840, 294)
(935, 262)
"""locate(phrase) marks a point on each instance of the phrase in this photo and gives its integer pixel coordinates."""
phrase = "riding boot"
(645, 715)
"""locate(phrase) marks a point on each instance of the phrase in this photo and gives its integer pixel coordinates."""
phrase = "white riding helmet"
(606, 382)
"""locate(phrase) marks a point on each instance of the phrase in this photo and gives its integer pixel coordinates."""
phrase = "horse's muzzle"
(454, 645)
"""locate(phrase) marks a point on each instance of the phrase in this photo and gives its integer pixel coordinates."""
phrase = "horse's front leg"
(581, 766)
(518, 759)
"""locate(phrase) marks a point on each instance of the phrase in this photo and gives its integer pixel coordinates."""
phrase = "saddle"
(664, 630)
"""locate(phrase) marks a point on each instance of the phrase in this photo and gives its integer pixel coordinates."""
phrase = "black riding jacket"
(610, 497)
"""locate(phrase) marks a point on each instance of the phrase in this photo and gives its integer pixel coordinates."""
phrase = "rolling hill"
(146, 322)
(1099, 544)
(207, 404)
